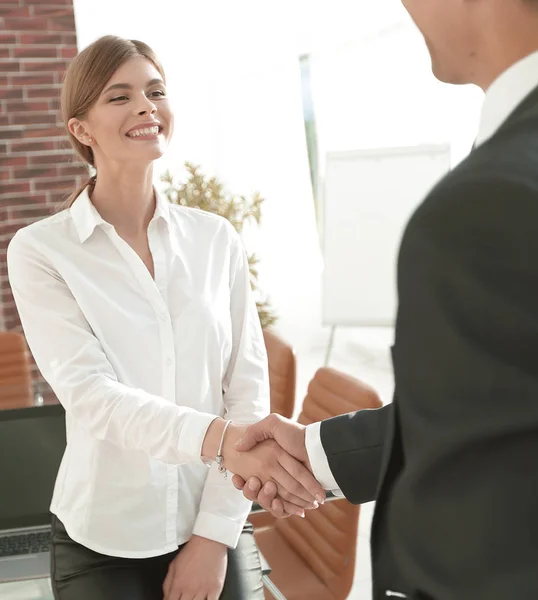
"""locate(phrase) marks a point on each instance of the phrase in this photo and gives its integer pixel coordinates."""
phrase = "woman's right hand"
(267, 461)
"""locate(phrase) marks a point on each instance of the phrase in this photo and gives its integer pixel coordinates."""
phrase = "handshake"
(269, 463)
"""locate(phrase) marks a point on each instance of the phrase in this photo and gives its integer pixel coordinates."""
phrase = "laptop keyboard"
(25, 543)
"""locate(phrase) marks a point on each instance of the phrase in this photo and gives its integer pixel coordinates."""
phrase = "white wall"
(379, 92)
(233, 76)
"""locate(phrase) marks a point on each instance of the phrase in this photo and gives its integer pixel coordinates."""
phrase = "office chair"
(15, 374)
(314, 557)
(282, 374)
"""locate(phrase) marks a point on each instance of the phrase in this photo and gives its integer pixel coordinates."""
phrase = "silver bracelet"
(219, 458)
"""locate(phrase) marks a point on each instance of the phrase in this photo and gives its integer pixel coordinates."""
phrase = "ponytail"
(90, 182)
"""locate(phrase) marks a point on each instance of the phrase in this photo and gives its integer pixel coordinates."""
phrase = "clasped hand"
(270, 465)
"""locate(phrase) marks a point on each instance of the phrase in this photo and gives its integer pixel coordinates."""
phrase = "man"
(452, 461)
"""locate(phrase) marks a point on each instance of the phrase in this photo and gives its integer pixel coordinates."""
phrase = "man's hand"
(197, 572)
(267, 461)
(291, 437)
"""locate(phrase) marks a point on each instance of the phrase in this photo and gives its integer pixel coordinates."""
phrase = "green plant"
(207, 193)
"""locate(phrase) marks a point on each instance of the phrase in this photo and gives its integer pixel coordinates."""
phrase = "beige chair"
(282, 374)
(15, 373)
(314, 558)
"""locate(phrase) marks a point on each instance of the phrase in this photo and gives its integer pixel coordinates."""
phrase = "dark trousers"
(78, 573)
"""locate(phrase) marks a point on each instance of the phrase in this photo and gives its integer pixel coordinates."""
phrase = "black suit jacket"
(453, 461)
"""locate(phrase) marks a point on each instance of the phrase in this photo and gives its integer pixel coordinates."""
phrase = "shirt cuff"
(192, 435)
(217, 528)
(318, 459)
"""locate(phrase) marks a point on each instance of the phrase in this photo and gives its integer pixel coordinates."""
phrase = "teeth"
(147, 131)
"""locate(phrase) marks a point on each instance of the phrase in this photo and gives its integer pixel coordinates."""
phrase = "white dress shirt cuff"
(193, 432)
(318, 459)
(218, 528)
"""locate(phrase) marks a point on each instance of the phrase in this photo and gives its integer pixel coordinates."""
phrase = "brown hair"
(86, 78)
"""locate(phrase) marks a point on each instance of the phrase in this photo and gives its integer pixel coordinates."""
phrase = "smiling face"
(131, 119)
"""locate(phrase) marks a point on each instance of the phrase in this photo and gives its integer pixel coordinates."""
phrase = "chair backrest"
(282, 374)
(326, 539)
(15, 373)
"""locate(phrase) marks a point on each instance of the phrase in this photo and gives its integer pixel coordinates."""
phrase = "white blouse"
(142, 367)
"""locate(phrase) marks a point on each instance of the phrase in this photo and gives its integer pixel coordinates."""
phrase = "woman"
(140, 317)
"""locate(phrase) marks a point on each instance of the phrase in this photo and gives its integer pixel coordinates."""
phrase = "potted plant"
(197, 190)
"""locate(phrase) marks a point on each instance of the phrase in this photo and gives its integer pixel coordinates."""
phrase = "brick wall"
(37, 167)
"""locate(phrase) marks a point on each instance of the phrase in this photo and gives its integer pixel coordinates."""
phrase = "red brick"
(10, 313)
(6, 291)
(69, 38)
(45, 66)
(11, 324)
(41, 132)
(66, 23)
(60, 78)
(53, 11)
(9, 66)
(26, 79)
(62, 144)
(41, 2)
(35, 51)
(16, 213)
(33, 31)
(41, 38)
(15, 188)
(13, 161)
(11, 318)
(14, 10)
(8, 37)
(18, 108)
(5, 176)
(28, 24)
(31, 201)
(10, 93)
(55, 184)
(50, 159)
(48, 92)
(30, 118)
(68, 52)
(11, 134)
(31, 146)
(32, 173)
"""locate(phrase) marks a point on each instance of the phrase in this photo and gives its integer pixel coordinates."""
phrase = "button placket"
(168, 353)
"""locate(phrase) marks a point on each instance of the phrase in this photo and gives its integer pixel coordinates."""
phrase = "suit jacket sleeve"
(354, 446)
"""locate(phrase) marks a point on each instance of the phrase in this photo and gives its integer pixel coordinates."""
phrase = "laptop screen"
(32, 442)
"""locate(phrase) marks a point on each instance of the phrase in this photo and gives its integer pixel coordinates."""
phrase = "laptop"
(32, 442)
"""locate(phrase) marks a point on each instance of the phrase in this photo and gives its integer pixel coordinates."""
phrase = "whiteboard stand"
(329, 350)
